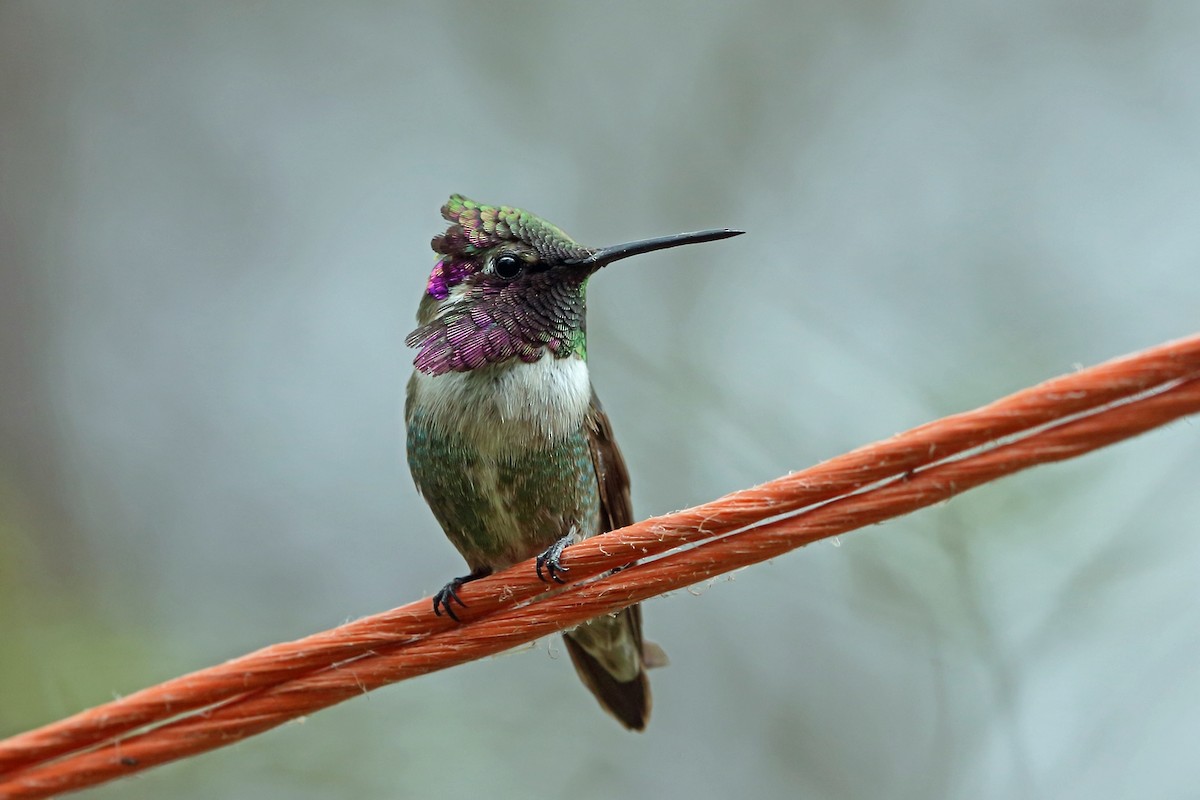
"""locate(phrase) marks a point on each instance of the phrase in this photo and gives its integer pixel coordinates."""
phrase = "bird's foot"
(551, 559)
(448, 594)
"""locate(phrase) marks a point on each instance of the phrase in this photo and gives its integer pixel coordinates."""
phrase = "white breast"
(508, 406)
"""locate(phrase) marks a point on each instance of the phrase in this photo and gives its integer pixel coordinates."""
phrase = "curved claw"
(448, 594)
(551, 561)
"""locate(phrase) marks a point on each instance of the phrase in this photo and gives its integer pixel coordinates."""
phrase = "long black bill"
(607, 255)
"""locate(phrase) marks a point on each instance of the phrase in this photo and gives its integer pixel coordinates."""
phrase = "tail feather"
(628, 701)
(612, 658)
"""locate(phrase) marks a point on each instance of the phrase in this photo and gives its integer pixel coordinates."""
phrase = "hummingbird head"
(508, 284)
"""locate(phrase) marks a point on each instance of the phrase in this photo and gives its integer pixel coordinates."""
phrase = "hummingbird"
(506, 438)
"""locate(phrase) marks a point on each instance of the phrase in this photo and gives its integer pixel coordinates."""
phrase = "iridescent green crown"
(476, 228)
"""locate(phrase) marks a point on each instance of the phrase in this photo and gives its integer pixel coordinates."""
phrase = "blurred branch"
(1056, 420)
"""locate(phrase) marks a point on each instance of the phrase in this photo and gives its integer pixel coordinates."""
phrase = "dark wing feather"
(616, 509)
(629, 700)
(616, 506)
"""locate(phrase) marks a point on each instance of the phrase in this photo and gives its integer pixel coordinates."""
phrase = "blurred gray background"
(214, 228)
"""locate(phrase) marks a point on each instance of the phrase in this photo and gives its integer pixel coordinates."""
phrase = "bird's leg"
(448, 594)
(551, 558)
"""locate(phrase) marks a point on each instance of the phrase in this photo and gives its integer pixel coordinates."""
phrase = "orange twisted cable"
(268, 687)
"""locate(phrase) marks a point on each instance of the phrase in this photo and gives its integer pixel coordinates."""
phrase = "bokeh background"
(214, 227)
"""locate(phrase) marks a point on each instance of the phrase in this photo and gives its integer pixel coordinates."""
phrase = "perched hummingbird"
(507, 441)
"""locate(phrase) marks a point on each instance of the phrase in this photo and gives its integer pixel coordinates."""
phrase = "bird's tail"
(611, 658)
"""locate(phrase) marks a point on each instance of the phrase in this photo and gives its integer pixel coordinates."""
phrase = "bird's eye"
(508, 266)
